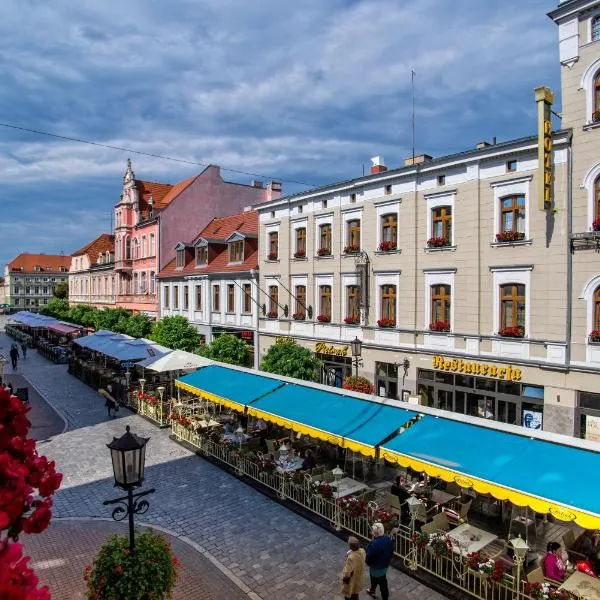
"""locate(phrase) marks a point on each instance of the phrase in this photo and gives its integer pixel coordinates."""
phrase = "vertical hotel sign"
(544, 98)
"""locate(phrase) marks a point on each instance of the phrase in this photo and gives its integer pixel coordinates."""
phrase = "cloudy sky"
(301, 91)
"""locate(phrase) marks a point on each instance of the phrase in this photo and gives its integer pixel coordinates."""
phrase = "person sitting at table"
(260, 425)
(588, 544)
(309, 461)
(228, 427)
(403, 495)
(553, 566)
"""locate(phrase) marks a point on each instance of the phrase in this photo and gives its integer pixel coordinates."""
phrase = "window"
(596, 29)
(597, 198)
(273, 300)
(300, 242)
(596, 113)
(324, 239)
(596, 310)
(441, 180)
(143, 288)
(202, 256)
(216, 298)
(230, 298)
(440, 307)
(180, 259)
(300, 209)
(388, 189)
(144, 247)
(300, 300)
(152, 246)
(441, 225)
(152, 282)
(512, 215)
(127, 248)
(325, 301)
(352, 198)
(136, 283)
(236, 251)
(136, 248)
(272, 214)
(186, 297)
(247, 289)
(352, 303)
(511, 166)
(389, 228)
(198, 297)
(388, 302)
(324, 204)
(175, 297)
(273, 245)
(352, 236)
(512, 306)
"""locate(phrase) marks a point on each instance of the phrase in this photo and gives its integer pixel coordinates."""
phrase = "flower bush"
(323, 251)
(272, 314)
(17, 580)
(595, 335)
(387, 519)
(148, 398)
(358, 384)
(176, 417)
(272, 255)
(509, 236)
(351, 320)
(545, 591)
(299, 316)
(387, 246)
(324, 319)
(351, 249)
(353, 506)
(322, 489)
(596, 224)
(149, 574)
(437, 242)
(513, 332)
(386, 323)
(420, 539)
(300, 254)
(481, 563)
(439, 326)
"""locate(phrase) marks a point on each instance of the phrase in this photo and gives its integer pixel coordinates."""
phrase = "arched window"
(596, 310)
(596, 98)
(127, 248)
(152, 244)
(597, 204)
(596, 29)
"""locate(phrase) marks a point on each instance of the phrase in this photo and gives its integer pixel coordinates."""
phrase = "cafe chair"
(458, 516)
(328, 477)
(317, 473)
(569, 541)
(429, 528)
(369, 496)
(454, 489)
(271, 446)
(441, 522)
(536, 576)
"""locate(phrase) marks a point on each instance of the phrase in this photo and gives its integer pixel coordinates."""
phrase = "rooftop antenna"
(412, 85)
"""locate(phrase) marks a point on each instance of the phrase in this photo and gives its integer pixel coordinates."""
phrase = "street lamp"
(161, 391)
(128, 454)
(414, 504)
(337, 477)
(356, 347)
(520, 548)
(142, 383)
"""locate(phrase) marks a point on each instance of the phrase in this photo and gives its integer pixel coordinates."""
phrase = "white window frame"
(437, 200)
(594, 15)
(389, 208)
(300, 224)
(319, 281)
(346, 281)
(588, 184)
(587, 295)
(152, 245)
(382, 279)
(352, 215)
(503, 276)
(441, 277)
(270, 229)
(511, 187)
(587, 84)
(324, 220)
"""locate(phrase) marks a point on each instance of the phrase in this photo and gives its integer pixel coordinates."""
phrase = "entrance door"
(332, 375)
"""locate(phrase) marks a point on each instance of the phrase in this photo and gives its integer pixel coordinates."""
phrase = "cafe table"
(466, 539)
(440, 497)
(288, 464)
(583, 586)
(348, 486)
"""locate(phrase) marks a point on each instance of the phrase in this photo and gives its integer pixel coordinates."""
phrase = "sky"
(302, 91)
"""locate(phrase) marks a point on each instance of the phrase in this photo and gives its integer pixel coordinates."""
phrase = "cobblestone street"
(275, 552)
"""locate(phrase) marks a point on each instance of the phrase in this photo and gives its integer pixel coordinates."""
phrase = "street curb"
(182, 538)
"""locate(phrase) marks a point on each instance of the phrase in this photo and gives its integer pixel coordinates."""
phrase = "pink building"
(151, 218)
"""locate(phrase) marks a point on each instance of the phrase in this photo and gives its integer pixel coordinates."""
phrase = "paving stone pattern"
(275, 552)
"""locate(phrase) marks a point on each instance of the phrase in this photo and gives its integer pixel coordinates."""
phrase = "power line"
(161, 156)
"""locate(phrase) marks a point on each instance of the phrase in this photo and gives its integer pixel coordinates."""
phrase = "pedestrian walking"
(24, 350)
(110, 403)
(379, 555)
(14, 356)
(353, 574)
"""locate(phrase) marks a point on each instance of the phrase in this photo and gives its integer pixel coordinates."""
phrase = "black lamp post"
(356, 346)
(128, 454)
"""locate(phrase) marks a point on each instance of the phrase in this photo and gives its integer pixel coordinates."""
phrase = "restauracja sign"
(324, 348)
(473, 368)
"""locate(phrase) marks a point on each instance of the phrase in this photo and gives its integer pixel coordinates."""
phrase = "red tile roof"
(26, 263)
(105, 242)
(158, 191)
(217, 231)
(177, 189)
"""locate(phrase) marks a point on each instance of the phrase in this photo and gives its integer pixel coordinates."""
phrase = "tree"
(82, 314)
(138, 326)
(57, 308)
(227, 348)
(108, 318)
(286, 358)
(61, 290)
(175, 333)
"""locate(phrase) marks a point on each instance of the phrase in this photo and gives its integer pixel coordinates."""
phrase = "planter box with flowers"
(358, 384)
(386, 323)
(350, 249)
(321, 488)
(440, 326)
(480, 564)
(324, 252)
(272, 256)
(512, 332)
(387, 246)
(299, 316)
(596, 224)
(594, 337)
(351, 320)
(324, 318)
(353, 507)
(300, 254)
(546, 591)
(510, 236)
(438, 544)
(387, 519)
(437, 242)
(272, 314)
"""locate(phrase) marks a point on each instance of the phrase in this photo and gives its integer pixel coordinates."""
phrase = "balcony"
(123, 265)
(587, 240)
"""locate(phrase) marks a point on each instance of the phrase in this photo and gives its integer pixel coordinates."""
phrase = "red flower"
(439, 326)
(324, 319)
(596, 225)
(514, 332)
(386, 323)
(351, 249)
(387, 246)
(323, 251)
(438, 242)
(351, 320)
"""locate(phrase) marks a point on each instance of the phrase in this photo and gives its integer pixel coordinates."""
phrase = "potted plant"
(440, 326)
(545, 591)
(509, 236)
(300, 254)
(512, 332)
(481, 564)
(387, 246)
(437, 242)
(351, 249)
(272, 314)
(324, 251)
(594, 336)
(439, 545)
(596, 224)
(324, 318)
(351, 320)
(358, 384)
(272, 255)
(150, 574)
(386, 323)
(354, 507)
(299, 316)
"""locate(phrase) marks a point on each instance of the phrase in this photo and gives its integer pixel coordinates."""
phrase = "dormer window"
(63, 269)
(180, 258)
(201, 256)
(48, 268)
(38, 269)
(236, 251)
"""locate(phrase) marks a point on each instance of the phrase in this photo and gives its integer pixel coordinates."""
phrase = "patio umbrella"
(177, 360)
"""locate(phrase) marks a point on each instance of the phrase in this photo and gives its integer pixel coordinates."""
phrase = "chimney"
(494, 141)
(482, 145)
(273, 190)
(256, 183)
(417, 160)
(378, 166)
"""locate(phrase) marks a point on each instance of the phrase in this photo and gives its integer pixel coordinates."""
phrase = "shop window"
(300, 312)
(273, 245)
(300, 242)
(388, 303)
(386, 381)
(175, 297)
(533, 391)
(324, 239)
(389, 232)
(447, 378)
(596, 29)
(198, 297)
(464, 381)
(186, 298)
(352, 236)
(352, 304)
(512, 310)
(216, 307)
(440, 307)
(201, 256)
(325, 302)
(247, 288)
(486, 384)
(273, 300)
(532, 415)
(236, 251)
(512, 218)
(230, 298)
(441, 226)
(509, 387)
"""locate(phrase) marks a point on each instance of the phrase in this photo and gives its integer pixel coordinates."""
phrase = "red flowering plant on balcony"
(300, 254)
(358, 384)
(596, 224)
(512, 332)
(545, 591)
(509, 236)
(324, 318)
(148, 398)
(321, 488)
(386, 323)
(179, 419)
(482, 564)
(352, 320)
(272, 314)
(437, 242)
(324, 251)
(439, 326)
(299, 316)
(387, 246)
(351, 249)
(27, 483)
(387, 519)
(355, 507)
(272, 255)
(594, 336)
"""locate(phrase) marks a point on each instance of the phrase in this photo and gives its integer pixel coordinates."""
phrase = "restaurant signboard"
(455, 365)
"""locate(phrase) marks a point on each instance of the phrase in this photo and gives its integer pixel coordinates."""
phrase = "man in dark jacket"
(14, 356)
(379, 555)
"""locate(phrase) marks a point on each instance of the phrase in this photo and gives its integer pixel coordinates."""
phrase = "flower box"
(387, 246)
(300, 254)
(386, 323)
(512, 332)
(272, 314)
(358, 384)
(324, 252)
(272, 255)
(437, 242)
(324, 319)
(596, 225)
(482, 565)
(351, 249)
(510, 236)
(594, 336)
(299, 316)
(440, 326)
(351, 320)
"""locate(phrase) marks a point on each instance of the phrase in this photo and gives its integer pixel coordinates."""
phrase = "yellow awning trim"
(338, 440)
(209, 396)
(539, 505)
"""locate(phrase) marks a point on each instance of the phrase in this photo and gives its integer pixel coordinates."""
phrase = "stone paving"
(275, 552)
